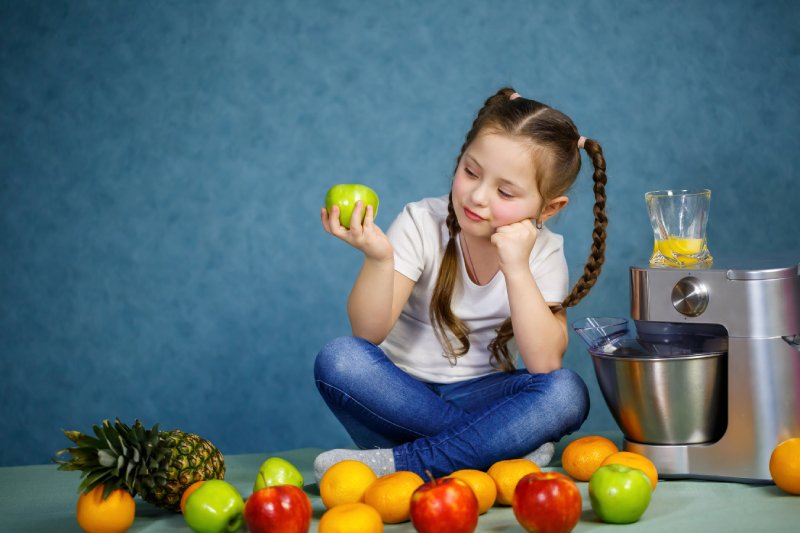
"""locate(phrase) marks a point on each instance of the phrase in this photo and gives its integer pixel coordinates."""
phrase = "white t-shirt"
(419, 236)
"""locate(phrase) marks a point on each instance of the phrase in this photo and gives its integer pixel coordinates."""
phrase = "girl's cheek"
(506, 213)
(458, 184)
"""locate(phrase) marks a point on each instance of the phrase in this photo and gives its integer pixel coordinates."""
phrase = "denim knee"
(570, 395)
(339, 357)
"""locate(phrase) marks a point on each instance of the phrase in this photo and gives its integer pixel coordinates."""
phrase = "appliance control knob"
(690, 296)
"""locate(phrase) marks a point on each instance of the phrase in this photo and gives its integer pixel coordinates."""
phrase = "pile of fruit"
(358, 501)
(177, 471)
(180, 471)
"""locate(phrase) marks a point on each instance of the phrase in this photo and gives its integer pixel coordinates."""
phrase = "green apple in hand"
(345, 195)
(277, 471)
(619, 494)
(215, 507)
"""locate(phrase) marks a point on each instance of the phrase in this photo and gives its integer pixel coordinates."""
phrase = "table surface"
(40, 498)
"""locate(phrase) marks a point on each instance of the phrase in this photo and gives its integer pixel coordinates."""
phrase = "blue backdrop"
(162, 165)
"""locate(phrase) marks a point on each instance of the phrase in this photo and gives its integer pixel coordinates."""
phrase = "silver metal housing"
(758, 304)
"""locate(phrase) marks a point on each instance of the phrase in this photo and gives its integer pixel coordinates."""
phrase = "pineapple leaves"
(82, 440)
(74, 436)
(122, 444)
(139, 432)
(121, 428)
(93, 479)
(107, 489)
(82, 458)
(154, 438)
(109, 436)
(107, 459)
(130, 474)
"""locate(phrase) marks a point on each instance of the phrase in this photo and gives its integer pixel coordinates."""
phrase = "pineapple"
(158, 466)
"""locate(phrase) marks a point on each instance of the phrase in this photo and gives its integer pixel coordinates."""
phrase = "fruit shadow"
(318, 509)
(589, 516)
(774, 491)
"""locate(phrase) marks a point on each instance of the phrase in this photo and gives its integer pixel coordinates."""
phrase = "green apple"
(345, 195)
(619, 494)
(277, 471)
(215, 507)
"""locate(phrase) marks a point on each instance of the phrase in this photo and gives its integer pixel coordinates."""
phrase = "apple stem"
(430, 475)
(263, 477)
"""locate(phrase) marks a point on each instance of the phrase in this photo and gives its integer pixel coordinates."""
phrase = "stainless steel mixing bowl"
(663, 383)
(678, 399)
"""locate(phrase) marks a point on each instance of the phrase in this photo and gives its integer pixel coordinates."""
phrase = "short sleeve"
(406, 235)
(549, 267)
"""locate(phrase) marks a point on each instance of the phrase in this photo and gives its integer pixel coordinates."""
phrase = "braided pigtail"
(441, 312)
(597, 254)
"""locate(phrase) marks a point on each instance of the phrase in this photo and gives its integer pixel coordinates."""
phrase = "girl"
(457, 288)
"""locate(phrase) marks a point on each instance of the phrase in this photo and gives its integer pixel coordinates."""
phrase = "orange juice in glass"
(679, 219)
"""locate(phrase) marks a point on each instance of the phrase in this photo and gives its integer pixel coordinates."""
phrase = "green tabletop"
(42, 499)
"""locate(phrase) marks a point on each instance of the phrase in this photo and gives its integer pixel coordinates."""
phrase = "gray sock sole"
(543, 454)
(380, 460)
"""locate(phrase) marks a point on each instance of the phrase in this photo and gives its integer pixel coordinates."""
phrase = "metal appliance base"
(688, 461)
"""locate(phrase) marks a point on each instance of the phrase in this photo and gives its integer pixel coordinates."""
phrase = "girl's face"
(495, 185)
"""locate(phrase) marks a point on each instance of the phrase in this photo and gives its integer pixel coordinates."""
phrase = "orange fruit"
(189, 490)
(345, 482)
(115, 514)
(634, 460)
(784, 465)
(351, 518)
(507, 473)
(583, 456)
(390, 495)
(481, 484)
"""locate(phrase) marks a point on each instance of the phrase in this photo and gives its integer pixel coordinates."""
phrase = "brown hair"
(554, 133)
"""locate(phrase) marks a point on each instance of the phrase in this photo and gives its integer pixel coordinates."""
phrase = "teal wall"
(162, 164)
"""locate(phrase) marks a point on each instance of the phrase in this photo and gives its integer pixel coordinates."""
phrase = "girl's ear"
(554, 206)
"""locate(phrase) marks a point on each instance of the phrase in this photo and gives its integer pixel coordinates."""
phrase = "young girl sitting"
(458, 288)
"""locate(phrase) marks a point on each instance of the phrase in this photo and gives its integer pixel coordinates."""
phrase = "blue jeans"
(445, 427)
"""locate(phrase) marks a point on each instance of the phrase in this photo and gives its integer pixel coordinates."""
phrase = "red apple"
(547, 502)
(278, 509)
(445, 505)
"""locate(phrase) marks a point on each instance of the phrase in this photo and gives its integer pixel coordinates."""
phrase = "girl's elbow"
(544, 369)
(374, 337)
(544, 365)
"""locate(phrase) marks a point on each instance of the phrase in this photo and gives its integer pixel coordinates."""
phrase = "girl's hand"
(366, 237)
(514, 244)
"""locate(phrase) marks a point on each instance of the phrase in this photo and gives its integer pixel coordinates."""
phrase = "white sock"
(380, 460)
(543, 454)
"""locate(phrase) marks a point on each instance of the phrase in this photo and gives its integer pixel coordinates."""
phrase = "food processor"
(705, 381)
